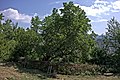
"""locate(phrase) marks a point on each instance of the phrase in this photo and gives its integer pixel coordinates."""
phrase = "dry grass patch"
(69, 77)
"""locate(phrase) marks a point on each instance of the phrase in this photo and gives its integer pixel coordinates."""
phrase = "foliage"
(7, 44)
(65, 34)
(99, 56)
(79, 69)
(16, 42)
(28, 44)
(113, 43)
(112, 36)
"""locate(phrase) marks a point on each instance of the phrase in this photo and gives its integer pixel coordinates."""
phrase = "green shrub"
(79, 69)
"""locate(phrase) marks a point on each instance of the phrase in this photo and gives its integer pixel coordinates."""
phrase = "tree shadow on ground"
(35, 72)
(22, 69)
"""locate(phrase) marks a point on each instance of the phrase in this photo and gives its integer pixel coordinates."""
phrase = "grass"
(64, 77)
(13, 73)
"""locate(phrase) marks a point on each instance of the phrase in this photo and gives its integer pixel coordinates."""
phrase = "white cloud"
(101, 7)
(116, 5)
(99, 20)
(35, 14)
(15, 15)
(98, 8)
(101, 1)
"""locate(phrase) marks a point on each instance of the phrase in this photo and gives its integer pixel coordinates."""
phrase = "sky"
(98, 11)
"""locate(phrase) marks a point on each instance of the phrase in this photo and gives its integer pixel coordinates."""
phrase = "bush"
(79, 69)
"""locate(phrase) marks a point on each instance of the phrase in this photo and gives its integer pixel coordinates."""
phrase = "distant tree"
(35, 24)
(112, 42)
(113, 36)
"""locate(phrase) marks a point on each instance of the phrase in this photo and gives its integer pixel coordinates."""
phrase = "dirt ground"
(13, 73)
(8, 72)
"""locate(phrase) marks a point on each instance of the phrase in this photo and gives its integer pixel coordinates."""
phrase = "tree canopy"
(65, 34)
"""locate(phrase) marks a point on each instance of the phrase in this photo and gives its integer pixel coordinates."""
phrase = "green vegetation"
(61, 43)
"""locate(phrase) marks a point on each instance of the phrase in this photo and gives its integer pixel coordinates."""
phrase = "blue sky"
(98, 11)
